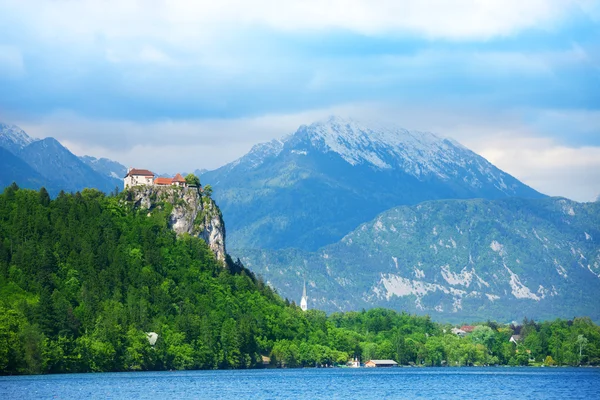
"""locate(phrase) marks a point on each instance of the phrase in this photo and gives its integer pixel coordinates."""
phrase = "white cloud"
(198, 23)
(548, 167)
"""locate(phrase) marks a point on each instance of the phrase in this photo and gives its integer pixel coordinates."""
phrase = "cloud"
(553, 169)
(183, 60)
(175, 20)
(183, 85)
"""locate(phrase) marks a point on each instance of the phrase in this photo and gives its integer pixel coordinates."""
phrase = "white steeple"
(304, 301)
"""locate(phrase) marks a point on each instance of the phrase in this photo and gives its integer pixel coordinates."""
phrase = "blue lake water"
(394, 383)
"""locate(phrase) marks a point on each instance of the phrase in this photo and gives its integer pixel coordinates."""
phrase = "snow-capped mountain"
(13, 138)
(420, 154)
(312, 187)
(257, 155)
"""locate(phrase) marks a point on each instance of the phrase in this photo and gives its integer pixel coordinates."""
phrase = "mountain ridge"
(455, 260)
(312, 187)
(49, 164)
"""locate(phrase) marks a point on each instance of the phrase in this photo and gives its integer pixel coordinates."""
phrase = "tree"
(230, 344)
(483, 335)
(192, 180)
(435, 351)
(207, 190)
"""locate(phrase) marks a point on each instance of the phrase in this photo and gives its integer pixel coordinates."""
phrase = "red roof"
(467, 328)
(139, 172)
(179, 178)
(163, 181)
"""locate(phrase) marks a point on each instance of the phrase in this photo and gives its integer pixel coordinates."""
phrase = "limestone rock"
(192, 213)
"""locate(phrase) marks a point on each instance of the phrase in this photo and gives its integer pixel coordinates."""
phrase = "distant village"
(137, 177)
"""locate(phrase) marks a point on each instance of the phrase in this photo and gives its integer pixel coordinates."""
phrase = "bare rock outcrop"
(192, 213)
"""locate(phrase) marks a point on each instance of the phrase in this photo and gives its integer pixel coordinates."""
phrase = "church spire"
(304, 301)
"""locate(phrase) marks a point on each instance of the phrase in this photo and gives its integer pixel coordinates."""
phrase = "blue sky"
(181, 85)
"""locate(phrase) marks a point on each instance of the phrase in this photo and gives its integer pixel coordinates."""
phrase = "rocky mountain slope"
(35, 163)
(314, 186)
(457, 260)
(190, 212)
(105, 167)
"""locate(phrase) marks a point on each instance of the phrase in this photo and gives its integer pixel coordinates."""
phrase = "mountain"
(57, 164)
(13, 169)
(13, 138)
(314, 186)
(33, 163)
(456, 260)
(105, 166)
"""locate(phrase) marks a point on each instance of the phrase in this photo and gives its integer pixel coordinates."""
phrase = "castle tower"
(304, 301)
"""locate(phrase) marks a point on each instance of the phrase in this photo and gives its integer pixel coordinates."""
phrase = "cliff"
(190, 212)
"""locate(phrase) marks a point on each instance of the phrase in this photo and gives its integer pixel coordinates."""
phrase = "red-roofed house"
(179, 180)
(136, 177)
(163, 181)
(467, 328)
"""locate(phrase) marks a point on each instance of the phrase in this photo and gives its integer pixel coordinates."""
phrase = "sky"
(183, 85)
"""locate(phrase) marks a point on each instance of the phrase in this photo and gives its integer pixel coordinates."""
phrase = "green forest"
(84, 277)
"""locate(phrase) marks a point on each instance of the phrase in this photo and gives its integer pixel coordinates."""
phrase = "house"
(467, 328)
(163, 182)
(136, 177)
(459, 332)
(515, 339)
(179, 180)
(381, 363)
(355, 363)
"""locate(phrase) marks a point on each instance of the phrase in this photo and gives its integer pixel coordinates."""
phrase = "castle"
(136, 177)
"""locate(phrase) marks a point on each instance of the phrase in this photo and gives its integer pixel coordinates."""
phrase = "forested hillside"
(455, 260)
(82, 277)
(85, 276)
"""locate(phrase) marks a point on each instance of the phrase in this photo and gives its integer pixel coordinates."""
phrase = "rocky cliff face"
(191, 213)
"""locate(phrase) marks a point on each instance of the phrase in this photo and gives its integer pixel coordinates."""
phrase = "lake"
(394, 383)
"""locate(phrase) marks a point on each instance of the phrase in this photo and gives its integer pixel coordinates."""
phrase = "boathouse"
(381, 363)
